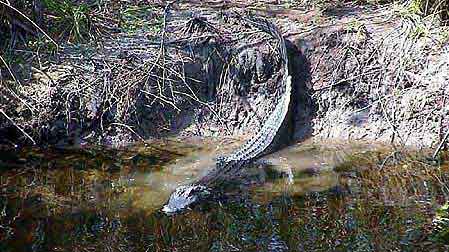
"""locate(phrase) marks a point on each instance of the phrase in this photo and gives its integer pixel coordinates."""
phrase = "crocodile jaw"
(185, 196)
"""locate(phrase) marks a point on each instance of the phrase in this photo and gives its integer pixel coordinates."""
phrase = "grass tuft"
(70, 19)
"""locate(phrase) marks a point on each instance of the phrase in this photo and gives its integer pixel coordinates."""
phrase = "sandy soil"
(373, 72)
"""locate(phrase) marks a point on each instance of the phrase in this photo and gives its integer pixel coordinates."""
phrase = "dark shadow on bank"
(298, 125)
(303, 106)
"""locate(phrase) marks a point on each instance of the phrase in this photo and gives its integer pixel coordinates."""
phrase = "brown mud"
(362, 72)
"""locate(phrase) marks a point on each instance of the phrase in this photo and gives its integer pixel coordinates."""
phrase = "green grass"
(69, 19)
(134, 18)
(58, 19)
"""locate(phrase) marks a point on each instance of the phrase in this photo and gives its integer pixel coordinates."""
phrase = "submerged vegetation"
(100, 199)
(441, 225)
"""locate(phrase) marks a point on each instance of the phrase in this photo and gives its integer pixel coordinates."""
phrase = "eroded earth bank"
(362, 72)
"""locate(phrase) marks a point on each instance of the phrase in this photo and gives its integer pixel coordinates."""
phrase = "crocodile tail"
(260, 144)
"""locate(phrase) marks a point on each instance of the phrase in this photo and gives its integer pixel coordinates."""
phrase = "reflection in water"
(304, 198)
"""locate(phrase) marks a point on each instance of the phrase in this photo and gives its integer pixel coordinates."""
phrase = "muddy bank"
(201, 75)
(379, 76)
(360, 73)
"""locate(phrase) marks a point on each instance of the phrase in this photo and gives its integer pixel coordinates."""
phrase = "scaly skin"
(257, 146)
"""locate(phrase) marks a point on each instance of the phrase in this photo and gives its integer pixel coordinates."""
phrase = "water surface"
(308, 197)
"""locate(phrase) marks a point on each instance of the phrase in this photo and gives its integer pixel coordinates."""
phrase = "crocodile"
(263, 142)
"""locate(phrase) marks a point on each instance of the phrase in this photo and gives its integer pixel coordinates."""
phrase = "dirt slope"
(363, 72)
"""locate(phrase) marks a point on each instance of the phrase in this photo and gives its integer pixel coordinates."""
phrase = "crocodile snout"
(184, 197)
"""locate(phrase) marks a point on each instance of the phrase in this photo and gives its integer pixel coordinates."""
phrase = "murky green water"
(311, 198)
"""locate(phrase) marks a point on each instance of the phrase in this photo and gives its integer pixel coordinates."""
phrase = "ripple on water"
(313, 197)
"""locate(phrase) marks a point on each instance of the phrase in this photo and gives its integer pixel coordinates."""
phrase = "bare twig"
(29, 20)
(17, 126)
(18, 82)
(441, 145)
(130, 129)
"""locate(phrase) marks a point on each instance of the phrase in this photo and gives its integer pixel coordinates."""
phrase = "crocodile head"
(185, 196)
